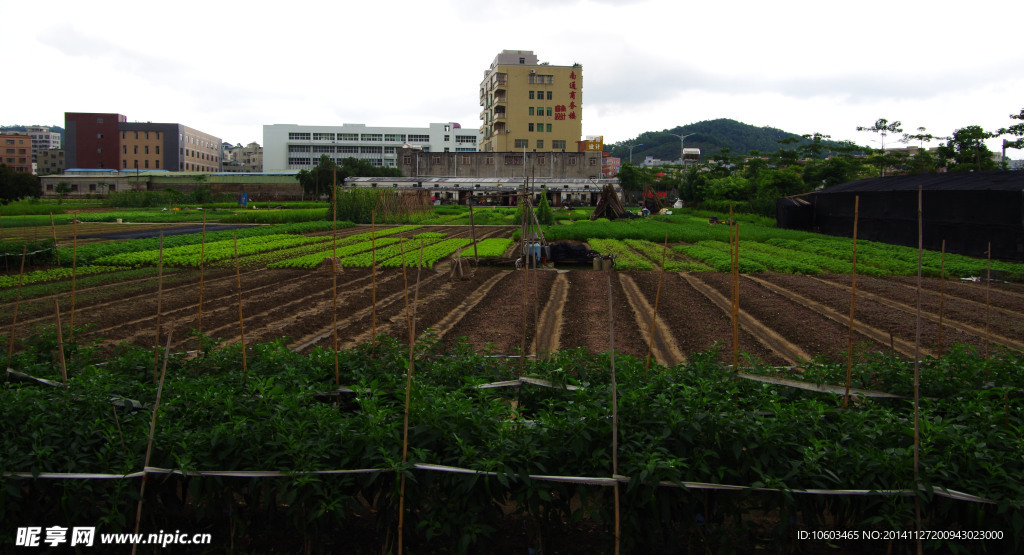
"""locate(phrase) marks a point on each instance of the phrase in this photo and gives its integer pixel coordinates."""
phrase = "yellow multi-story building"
(529, 105)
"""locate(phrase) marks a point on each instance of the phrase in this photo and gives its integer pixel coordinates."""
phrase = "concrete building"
(16, 151)
(109, 141)
(289, 146)
(92, 140)
(244, 159)
(501, 191)
(414, 162)
(168, 146)
(42, 139)
(50, 162)
(530, 105)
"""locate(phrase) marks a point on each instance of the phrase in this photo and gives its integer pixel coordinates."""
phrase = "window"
(323, 136)
(389, 150)
(158, 164)
(549, 95)
(124, 164)
(531, 110)
(549, 128)
(158, 135)
(298, 136)
(99, 120)
(299, 148)
(512, 160)
(549, 111)
(323, 149)
(419, 138)
(406, 160)
(147, 164)
(435, 160)
(99, 135)
(522, 143)
(558, 145)
(593, 161)
(532, 95)
(447, 138)
(147, 149)
(372, 137)
(572, 161)
(490, 160)
(394, 137)
(348, 150)
(370, 149)
(465, 139)
(540, 144)
(158, 149)
(467, 160)
(529, 127)
(147, 134)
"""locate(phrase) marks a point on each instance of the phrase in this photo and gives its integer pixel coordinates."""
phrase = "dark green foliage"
(17, 185)
(694, 422)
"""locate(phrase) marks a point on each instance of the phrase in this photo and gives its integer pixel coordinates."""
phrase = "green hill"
(711, 136)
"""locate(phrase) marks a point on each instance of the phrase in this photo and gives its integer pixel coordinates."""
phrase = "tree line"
(752, 180)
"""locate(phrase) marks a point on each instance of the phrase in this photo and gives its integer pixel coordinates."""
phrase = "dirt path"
(788, 351)
(663, 347)
(865, 331)
(549, 328)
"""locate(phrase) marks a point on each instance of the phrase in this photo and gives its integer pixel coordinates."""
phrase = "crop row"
(430, 253)
(654, 253)
(366, 259)
(693, 422)
(54, 274)
(193, 255)
(625, 258)
(314, 259)
(90, 252)
(492, 247)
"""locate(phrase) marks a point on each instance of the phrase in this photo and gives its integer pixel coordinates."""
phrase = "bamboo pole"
(202, 265)
(241, 321)
(615, 412)
(734, 235)
(60, 344)
(159, 307)
(53, 228)
(988, 303)
(472, 231)
(408, 395)
(853, 302)
(917, 370)
(654, 313)
(74, 271)
(523, 207)
(334, 272)
(373, 279)
(942, 295)
(149, 445)
(17, 302)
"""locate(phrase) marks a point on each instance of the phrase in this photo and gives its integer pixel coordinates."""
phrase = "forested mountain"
(711, 137)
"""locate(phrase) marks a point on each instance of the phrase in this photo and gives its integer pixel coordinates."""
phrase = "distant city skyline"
(650, 65)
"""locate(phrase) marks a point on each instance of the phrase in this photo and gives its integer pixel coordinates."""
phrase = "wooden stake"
(734, 235)
(373, 279)
(654, 313)
(853, 302)
(241, 321)
(17, 302)
(334, 272)
(54, 229)
(149, 445)
(202, 265)
(408, 392)
(74, 271)
(159, 307)
(988, 303)
(60, 344)
(472, 231)
(917, 371)
(615, 411)
(942, 296)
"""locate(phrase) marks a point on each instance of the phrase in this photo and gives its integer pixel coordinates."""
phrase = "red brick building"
(92, 141)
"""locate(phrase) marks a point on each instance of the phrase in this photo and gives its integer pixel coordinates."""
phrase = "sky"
(228, 68)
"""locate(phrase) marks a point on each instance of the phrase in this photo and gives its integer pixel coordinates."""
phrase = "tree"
(967, 149)
(318, 179)
(62, 189)
(543, 211)
(882, 127)
(17, 185)
(1016, 130)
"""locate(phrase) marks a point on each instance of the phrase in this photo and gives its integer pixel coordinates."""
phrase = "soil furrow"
(663, 346)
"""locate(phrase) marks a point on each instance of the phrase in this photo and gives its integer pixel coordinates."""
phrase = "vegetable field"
(687, 424)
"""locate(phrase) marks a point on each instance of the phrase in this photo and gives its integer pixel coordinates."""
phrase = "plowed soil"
(783, 318)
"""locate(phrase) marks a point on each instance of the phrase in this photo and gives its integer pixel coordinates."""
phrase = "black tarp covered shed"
(966, 209)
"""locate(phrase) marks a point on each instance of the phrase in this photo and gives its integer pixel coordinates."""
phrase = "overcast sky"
(228, 68)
